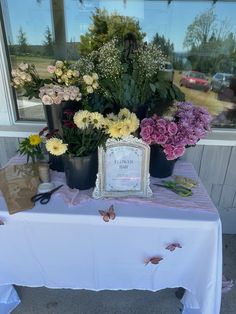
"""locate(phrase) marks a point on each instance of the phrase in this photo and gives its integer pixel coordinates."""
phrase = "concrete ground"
(66, 301)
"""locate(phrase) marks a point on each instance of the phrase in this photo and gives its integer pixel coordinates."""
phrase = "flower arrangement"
(188, 124)
(65, 84)
(30, 147)
(84, 131)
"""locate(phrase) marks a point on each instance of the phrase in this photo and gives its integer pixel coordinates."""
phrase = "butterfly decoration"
(171, 247)
(1, 223)
(110, 214)
(153, 260)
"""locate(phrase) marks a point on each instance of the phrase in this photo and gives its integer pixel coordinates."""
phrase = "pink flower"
(169, 151)
(47, 100)
(179, 151)
(161, 139)
(172, 128)
(161, 129)
(146, 133)
(51, 69)
(147, 122)
(57, 100)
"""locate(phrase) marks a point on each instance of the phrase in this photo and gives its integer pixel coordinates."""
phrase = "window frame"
(12, 126)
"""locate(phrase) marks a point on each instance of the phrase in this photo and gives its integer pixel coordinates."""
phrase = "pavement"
(67, 301)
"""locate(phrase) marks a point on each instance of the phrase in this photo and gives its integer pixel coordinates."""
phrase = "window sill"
(217, 137)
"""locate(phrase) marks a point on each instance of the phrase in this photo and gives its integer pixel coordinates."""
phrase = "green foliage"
(105, 27)
(164, 44)
(23, 47)
(32, 152)
(48, 43)
(211, 44)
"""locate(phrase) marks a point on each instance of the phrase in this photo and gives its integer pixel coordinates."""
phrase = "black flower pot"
(141, 112)
(160, 167)
(55, 115)
(81, 172)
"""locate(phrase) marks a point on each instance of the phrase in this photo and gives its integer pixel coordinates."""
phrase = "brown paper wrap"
(18, 184)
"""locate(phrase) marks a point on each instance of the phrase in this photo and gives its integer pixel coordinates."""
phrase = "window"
(199, 37)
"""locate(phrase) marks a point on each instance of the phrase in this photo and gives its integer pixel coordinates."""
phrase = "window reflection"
(199, 39)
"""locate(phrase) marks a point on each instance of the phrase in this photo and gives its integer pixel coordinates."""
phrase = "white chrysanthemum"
(59, 64)
(97, 120)
(88, 79)
(82, 119)
(124, 114)
(55, 146)
(126, 128)
(95, 85)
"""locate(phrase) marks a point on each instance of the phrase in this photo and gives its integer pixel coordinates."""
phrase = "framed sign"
(123, 169)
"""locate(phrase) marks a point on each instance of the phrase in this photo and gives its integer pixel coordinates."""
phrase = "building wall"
(215, 165)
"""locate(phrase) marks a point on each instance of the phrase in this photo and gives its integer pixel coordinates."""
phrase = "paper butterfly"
(110, 214)
(171, 247)
(153, 260)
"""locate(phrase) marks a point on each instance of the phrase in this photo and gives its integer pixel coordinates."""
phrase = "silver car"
(220, 80)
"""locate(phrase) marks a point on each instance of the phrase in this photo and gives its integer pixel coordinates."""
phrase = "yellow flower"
(34, 139)
(112, 116)
(97, 120)
(134, 122)
(88, 79)
(89, 89)
(124, 113)
(126, 128)
(115, 128)
(95, 85)
(95, 76)
(58, 72)
(82, 119)
(55, 146)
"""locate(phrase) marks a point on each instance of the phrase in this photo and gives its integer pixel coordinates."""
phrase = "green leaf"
(153, 87)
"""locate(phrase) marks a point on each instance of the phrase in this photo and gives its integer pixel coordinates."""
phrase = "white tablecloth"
(61, 246)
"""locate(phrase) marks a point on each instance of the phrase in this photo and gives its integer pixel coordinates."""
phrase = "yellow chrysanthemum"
(112, 116)
(97, 120)
(55, 146)
(126, 128)
(115, 128)
(34, 139)
(124, 114)
(134, 122)
(82, 119)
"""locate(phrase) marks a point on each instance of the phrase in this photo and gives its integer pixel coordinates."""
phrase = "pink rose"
(51, 69)
(161, 129)
(179, 151)
(47, 100)
(146, 133)
(172, 128)
(160, 139)
(57, 100)
(146, 122)
(169, 151)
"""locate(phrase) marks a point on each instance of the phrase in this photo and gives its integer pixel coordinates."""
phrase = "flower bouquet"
(83, 132)
(169, 137)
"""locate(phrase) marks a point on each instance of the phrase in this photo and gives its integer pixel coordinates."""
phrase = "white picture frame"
(123, 169)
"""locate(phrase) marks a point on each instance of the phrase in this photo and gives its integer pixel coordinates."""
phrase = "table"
(68, 245)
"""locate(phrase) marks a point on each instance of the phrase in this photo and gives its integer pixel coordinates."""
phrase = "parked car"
(220, 80)
(196, 80)
(168, 72)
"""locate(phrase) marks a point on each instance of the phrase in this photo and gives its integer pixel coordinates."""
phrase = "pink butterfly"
(110, 214)
(171, 247)
(153, 260)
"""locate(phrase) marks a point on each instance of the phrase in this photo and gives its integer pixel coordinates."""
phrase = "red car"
(196, 80)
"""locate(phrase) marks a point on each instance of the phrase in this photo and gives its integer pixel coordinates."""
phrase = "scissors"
(176, 188)
(44, 198)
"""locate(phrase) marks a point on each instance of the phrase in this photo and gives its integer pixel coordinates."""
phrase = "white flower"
(47, 100)
(124, 113)
(55, 146)
(58, 72)
(23, 66)
(82, 119)
(88, 79)
(97, 119)
(59, 64)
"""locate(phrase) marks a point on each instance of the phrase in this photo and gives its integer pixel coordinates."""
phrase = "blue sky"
(154, 16)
